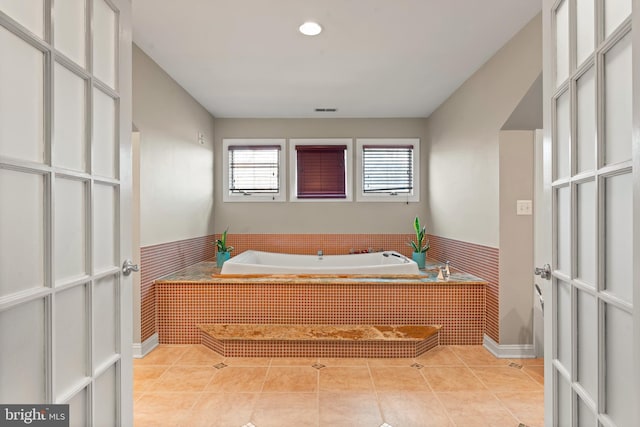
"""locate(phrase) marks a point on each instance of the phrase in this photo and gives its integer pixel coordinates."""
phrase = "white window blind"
(387, 169)
(254, 169)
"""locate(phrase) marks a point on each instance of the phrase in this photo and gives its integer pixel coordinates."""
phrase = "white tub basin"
(379, 263)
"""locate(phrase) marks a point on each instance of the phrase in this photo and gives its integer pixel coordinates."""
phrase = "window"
(320, 169)
(253, 170)
(388, 169)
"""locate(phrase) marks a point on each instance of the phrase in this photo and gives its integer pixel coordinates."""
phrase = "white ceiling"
(375, 58)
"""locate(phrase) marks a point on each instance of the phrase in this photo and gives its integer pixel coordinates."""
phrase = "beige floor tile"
(293, 361)
(535, 372)
(398, 379)
(342, 361)
(163, 409)
(291, 379)
(439, 356)
(389, 361)
(144, 376)
(413, 409)
(476, 409)
(199, 355)
(477, 355)
(347, 395)
(286, 409)
(162, 355)
(183, 378)
(221, 410)
(340, 409)
(354, 379)
(527, 407)
(248, 361)
(451, 378)
(506, 379)
(238, 379)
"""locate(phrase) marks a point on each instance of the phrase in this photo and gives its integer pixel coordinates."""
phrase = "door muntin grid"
(71, 362)
(590, 211)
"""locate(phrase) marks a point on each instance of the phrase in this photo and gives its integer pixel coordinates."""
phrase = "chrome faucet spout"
(320, 253)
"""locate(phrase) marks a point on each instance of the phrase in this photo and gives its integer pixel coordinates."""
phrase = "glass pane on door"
(617, 84)
(618, 247)
(27, 355)
(69, 138)
(69, 25)
(585, 29)
(563, 338)
(563, 136)
(104, 134)
(105, 307)
(29, 13)
(562, 42)
(71, 339)
(587, 354)
(615, 11)
(563, 227)
(78, 410)
(104, 223)
(104, 42)
(106, 392)
(22, 100)
(563, 394)
(586, 121)
(586, 232)
(70, 231)
(619, 366)
(22, 238)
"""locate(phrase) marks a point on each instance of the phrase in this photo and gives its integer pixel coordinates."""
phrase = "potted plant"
(224, 251)
(421, 244)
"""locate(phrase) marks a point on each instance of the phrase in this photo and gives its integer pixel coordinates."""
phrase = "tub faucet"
(320, 254)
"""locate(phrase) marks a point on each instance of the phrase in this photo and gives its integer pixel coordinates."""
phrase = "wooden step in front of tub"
(283, 340)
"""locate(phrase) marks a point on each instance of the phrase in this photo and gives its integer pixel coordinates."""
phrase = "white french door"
(589, 74)
(65, 188)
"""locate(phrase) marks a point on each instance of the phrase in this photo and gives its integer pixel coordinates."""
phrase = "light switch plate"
(524, 207)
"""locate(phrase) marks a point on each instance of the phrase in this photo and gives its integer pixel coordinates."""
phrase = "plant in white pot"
(421, 244)
(224, 251)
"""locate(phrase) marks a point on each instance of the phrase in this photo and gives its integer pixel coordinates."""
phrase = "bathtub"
(379, 263)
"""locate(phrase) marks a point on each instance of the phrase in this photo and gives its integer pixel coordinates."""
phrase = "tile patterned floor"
(190, 385)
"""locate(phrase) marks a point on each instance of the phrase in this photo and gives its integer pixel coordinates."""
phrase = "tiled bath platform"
(198, 295)
(281, 340)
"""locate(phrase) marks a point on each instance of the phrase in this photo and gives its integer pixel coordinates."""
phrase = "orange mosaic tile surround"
(481, 261)
(160, 260)
(458, 308)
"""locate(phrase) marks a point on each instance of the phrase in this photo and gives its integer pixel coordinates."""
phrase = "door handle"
(544, 272)
(128, 266)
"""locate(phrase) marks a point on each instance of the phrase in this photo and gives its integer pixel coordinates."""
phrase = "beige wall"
(516, 237)
(463, 141)
(317, 217)
(176, 170)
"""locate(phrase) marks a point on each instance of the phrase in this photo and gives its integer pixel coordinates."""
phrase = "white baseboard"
(508, 351)
(141, 350)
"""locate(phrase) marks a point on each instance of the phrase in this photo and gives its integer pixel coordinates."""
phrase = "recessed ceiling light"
(310, 28)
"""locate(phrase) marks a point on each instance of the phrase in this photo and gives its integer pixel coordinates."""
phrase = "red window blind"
(321, 171)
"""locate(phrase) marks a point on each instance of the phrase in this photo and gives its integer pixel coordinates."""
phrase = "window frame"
(413, 196)
(293, 168)
(280, 196)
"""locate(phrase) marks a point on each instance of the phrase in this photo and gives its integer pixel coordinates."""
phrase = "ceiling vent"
(326, 110)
